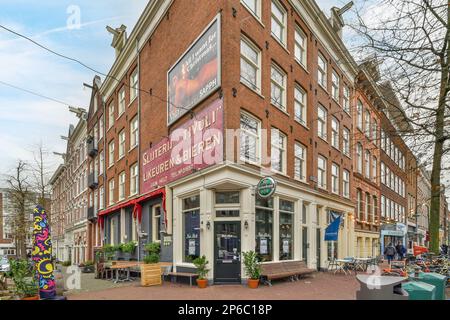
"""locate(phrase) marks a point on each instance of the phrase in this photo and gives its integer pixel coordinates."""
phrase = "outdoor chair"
(332, 265)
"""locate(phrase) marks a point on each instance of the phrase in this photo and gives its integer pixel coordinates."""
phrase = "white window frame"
(257, 66)
(359, 115)
(156, 236)
(134, 132)
(134, 179)
(374, 169)
(335, 86)
(122, 179)
(134, 85)
(367, 167)
(300, 105)
(359, 158)
(346, 184)
(346, 99)
(255, 11)
(122, 104)
(281, 86)
(335, 170)
(322, 122)
(122, 140)
(300, 161)
(335, 126)
(257, 137)
(111, 151)
(322, 172)
(111, 118)
(346, 141)
(111, 191)
(322, 75)
(301, 47)
(281, 149)
(281, 23)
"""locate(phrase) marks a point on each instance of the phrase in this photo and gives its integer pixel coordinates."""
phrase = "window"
(383, 173)
(383, 206)
(278, 22)
(102, 162)
(249, 139)
(278, 151)
(359, 115)
(374, 169)
(322, 71)
(121, 101)
(346, 183)
(322, 172)
(359, 161)
(383, 140)
(253, 6)
(335, 178)
(335, 133)
(101, 128)
(264, 228)
(374, 215)
(300, 162)
(102, 197)
(134, 181)
(111, 153)
(367, 164)
(156, 225)
(346, 141)
(286, 230)
(374, 131)
(122, 178)
(346, 99)
(301, 47)
(191, 228)
(134, 85)
(250, 65)
(278, 87)
(121, 144)
(367, 123)
(300, 101)
(322, 122)
(134, 132)
(359, 205)
(229, 197)
(111, 191)
(367, 210)
(335, 86)
(111, 115)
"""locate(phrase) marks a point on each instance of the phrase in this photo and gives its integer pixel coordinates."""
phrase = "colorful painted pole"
(42, 254)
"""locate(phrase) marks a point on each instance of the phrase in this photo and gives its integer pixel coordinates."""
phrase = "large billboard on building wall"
(195, 145)
(196, 74)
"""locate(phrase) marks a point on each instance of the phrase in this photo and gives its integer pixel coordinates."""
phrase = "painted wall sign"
(195, 145)
(196, 74)
(266, 187)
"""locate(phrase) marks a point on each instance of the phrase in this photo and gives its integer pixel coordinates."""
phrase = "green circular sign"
(266, 187)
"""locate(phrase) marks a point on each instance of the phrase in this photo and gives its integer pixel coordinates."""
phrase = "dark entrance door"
(305, 244)
(227, 252)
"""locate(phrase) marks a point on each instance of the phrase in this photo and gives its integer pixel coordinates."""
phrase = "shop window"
(191, 228)
(227, 197)
(264, 229)
(227, 213)
(286, 230)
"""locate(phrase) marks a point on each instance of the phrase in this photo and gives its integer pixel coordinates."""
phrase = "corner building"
(273, 84)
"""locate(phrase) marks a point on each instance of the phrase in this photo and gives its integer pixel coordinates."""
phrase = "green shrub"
(22, 273)
(201, 264)
(128, 247)
(67, 263)
(252, 265)
(153, 247)
(151, 258)
(89, 263)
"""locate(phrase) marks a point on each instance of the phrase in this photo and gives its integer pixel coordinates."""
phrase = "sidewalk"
(322, 286)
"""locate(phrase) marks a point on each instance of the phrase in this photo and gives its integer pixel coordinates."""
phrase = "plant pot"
(202, 283)
(150, 274)
(253, 283)
(31, 298)
(126, 256)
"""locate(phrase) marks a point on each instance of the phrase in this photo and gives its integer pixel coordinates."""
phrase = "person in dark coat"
(389, 252)
(401, 250)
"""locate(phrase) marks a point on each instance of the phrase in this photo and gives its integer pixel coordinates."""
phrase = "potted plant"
(87, 267)
(150, 269)
(252, 268)
(128, 249)
(108, 251)
(26, 287)
(202, 271)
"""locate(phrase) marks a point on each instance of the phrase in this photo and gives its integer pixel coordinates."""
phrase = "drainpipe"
(140, 140)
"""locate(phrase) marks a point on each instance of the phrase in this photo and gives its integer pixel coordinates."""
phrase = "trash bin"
(437, 280)
(418, 290)
(375, 287)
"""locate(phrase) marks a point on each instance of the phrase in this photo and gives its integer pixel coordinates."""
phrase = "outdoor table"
(121, 266)
(362, 263)
(343, 265)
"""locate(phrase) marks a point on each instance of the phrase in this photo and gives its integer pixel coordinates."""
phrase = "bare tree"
(41, 173)
(20, 198)
(411, 41)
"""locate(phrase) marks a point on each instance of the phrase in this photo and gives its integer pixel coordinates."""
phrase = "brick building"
(70, 198)
(366, 168)
(423, 206)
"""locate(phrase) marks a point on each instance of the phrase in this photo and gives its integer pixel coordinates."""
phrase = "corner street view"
(225, 150)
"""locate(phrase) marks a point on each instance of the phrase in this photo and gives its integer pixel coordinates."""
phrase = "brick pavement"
(322, 286)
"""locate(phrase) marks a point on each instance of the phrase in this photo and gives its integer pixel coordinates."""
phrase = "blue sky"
(26, 120)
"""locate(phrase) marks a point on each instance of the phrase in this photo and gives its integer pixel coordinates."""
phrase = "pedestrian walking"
(401, 250)
(389, 252)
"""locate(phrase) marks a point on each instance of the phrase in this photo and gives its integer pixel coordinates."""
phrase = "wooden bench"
(183, 274)
(281, 270)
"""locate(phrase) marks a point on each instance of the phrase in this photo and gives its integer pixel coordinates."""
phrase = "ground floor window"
(286, 230)
(332, 249)
(156, 214)
(264, 229)
(191, 228)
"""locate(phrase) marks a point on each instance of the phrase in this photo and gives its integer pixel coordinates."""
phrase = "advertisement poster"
(196, 74)
(263, 246)
(192, 247)
(195, 145)
(286, 246)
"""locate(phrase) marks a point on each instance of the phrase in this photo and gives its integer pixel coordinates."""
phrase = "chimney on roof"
(336, 20)
(119, 38)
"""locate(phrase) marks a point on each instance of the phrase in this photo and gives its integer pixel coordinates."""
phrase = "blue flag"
(331, 233)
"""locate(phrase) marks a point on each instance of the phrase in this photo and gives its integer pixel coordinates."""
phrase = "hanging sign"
(266, 187)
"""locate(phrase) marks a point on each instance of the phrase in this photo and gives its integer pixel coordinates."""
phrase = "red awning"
(137, 210)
